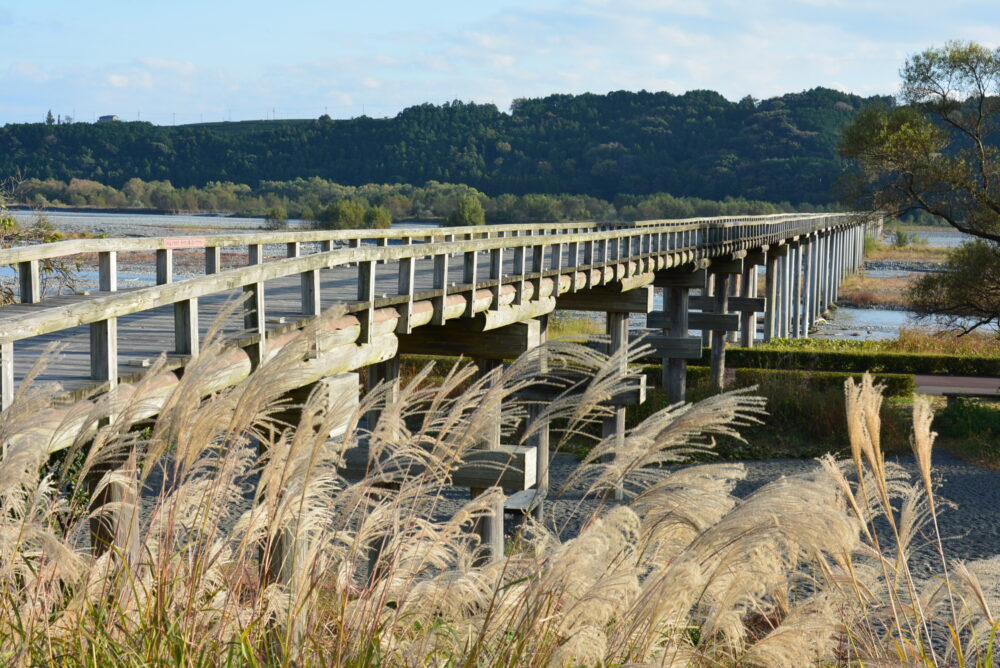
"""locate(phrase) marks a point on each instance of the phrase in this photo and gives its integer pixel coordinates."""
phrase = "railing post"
(573, 258)
(440, 283)
(496, 274)
(107, 271)
(29, 278)
(213, 260)
(293, 249)
(537, 267)
(6, 374)
(470, 277)
(366, 293)
(164, 266)
(254, 315)
(520, 254)
(405, 287)
(186, 341)
(104, 351)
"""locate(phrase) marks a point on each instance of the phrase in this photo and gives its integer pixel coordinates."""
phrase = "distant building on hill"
(108, 119)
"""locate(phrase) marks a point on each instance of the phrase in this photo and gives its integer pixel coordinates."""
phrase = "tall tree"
(468, 212)
(49, 118)
(937, 152)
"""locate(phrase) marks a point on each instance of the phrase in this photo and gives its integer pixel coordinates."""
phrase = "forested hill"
(696, 144)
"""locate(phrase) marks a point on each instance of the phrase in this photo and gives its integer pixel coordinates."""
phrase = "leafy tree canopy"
(468, 212)
(938, 153)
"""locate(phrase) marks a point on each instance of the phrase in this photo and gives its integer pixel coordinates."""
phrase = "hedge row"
(859, 362)
(896, 384)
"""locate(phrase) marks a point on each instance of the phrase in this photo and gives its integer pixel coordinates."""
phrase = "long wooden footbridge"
(482, 292)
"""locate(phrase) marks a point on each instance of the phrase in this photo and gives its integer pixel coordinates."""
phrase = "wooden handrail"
(57, 249)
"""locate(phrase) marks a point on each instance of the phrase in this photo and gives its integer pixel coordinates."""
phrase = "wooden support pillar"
(675, 370)
(490, 528)
(614, 425)
(118, 530)
(807, 288)
(366, 293)
(540, 438)
(707, 291)
(718, 362)
(748, 319)
(386, 373)
(29, 282)
(796, 310)
(771, 294)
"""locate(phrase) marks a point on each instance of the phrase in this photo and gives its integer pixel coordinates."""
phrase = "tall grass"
(811, 570)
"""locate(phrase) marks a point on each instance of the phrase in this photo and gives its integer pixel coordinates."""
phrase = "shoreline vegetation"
(321, 201)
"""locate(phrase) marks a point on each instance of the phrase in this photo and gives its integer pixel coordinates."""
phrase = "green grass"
(970, 428)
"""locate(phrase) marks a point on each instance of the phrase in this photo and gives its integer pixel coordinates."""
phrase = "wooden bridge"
(482, 292)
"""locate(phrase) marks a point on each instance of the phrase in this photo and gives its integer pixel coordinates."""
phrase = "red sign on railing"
(184, 242)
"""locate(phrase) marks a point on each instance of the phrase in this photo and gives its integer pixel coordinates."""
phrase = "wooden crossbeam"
(608, 300)
(452, 339)
(736, 304)
(511, 467)
(634, 395)
(675, 347)
(720, 322)
(726, 267)
(678, 278)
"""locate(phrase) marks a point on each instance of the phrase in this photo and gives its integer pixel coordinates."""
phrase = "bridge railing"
(29, 259)
(563, 247)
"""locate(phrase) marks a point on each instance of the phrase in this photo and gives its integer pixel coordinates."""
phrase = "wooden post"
(796, 310)
(213, 259)
(440, 283)
(676, 369)
(771, 295)
(614, 425)
(405, 286)
(164, 266)
(496, 274)
(186, 339)
(708, 291)
(540, 439)
(470, 276)
(718, 363)
(748, 319)
(309, 287)
(29, 279)
(807, 288)
(107, 271)
(366, 293)
(490, 529)
(104, 351)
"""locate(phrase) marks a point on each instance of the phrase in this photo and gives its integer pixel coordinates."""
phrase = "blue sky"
(184, 61)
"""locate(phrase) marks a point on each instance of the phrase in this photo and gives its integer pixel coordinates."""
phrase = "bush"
(973, 424)
(858, 362)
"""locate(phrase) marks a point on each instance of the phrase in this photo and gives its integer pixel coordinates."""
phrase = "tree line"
(698, 144)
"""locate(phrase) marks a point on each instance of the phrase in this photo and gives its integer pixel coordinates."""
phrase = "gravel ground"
(969, 504)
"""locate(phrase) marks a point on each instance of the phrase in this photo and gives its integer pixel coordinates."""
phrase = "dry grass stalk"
(682, 574)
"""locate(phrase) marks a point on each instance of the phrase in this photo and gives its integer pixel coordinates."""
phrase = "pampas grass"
(234, 539)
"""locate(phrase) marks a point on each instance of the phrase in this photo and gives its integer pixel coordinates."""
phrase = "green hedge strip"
(896, 384)
(859, 362)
